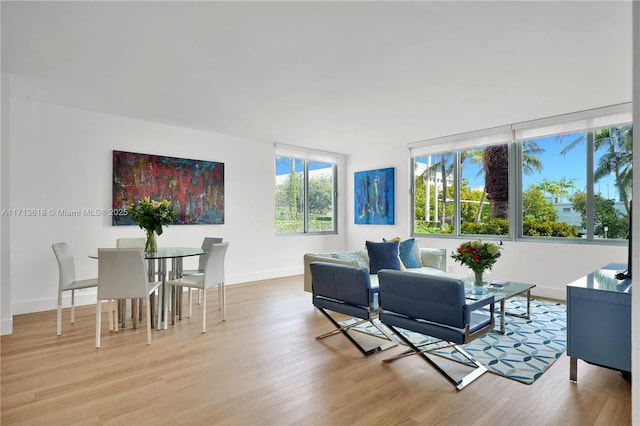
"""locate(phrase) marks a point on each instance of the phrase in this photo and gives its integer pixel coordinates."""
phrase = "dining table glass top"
(173, 252)
(169, 253)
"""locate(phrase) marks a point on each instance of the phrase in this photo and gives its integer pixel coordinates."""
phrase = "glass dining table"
(157, 267)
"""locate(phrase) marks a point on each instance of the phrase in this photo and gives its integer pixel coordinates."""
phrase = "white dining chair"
(131, 242)
(122, 274)
(207, 242)
(212, 276)
(67, 280)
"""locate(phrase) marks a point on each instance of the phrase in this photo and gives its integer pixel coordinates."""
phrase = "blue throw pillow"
(383, 256)
(407, 256)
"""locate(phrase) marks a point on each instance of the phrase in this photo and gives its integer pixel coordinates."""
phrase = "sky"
(571, 166)
(284, 167)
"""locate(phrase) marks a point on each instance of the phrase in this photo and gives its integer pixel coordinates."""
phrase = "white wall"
(61, 158)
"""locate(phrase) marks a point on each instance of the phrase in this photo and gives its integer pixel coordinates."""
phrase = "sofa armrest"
(311, 257)
(434, 258)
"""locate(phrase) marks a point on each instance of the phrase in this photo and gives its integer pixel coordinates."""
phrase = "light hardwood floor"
(264, 367)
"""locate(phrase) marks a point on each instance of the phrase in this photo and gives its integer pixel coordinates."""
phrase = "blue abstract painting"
(374, 197)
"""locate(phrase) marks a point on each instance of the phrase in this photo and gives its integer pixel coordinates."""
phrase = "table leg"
(573, 369)
(153, 301)
(134, 312)
(122, 312)
(165, 294)
(176, 291)
(501, 316)
(528, 314)
(178, 274)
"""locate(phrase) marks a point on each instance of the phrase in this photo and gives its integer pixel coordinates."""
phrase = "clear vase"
(151, 245)
(478, 279)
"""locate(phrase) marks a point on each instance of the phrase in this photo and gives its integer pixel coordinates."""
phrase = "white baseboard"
(549, 292)
(88, 296)
(82, 297)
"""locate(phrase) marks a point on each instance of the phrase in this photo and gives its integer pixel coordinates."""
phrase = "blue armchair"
(434, 306)
(347, 289)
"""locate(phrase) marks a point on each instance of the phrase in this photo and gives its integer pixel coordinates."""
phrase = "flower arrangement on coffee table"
(152, 215)
(478, 256)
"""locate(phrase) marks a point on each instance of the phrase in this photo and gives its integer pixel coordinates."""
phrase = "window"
(434, 189)
(587, 199)
(554, 171)
(557, 178)
(576, 177)
(305, 192)
(464, 191)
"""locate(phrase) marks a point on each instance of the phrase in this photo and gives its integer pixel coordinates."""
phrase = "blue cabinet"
(599, 320)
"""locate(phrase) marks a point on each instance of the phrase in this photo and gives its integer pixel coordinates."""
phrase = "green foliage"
(152, 215)
(293, 188)
(534, 228)
(490, 227)
(419, 199)
(468, 211)
(535, 207)
(319, 224)
(557, 188)
(319, 198)
(605, 214)
(289, 203)
(423, 227)
(289, 226)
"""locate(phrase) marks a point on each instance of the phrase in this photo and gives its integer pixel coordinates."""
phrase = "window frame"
(587, 121)
(307, 156)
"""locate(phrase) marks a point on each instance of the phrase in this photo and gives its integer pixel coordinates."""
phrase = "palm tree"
(618, 158)
(496, 182)
(530, 157)
(530, 163)
(556, 188)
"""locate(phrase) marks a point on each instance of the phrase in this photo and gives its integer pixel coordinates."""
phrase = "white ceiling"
(337, 76)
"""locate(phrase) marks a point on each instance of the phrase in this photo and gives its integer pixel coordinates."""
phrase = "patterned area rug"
(526, 350)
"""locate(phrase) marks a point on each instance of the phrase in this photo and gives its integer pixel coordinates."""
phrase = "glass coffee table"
(501, 291)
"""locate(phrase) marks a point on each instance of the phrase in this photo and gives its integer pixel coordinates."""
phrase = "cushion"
(383, 256)
(416, 251)
(432, 258)
(358, 257)
(405, 248)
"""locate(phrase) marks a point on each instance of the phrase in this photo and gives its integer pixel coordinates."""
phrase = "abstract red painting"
(195, 188)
